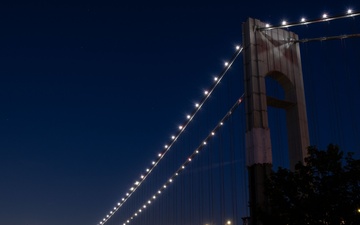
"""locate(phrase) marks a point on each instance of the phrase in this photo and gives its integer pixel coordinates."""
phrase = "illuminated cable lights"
(174, 138)
(303, 21)
(170, 181)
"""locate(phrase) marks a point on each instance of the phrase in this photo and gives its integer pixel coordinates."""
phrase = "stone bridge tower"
(271, 53)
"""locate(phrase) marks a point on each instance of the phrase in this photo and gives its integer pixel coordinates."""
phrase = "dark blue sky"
(90, 89)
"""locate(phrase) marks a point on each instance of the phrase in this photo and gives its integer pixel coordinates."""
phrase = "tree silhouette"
(324, 190)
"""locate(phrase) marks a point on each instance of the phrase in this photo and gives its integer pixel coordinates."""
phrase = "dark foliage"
(324, 190)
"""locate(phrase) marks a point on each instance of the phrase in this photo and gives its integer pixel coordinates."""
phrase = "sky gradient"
(89, 90)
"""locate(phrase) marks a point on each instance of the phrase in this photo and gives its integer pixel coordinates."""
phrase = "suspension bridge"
(286, 87)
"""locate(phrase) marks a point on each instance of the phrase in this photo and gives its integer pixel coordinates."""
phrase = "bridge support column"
(270, 53)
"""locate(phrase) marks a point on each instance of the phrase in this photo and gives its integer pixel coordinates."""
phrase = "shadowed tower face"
(271, 54)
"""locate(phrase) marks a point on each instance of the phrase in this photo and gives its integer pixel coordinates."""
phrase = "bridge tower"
(271, 53)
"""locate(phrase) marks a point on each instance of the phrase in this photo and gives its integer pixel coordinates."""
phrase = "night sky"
(89, 90)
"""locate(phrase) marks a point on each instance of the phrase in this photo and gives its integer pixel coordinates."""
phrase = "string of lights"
(186, 163)
(284, 24)
(174, 137)
(303, 21)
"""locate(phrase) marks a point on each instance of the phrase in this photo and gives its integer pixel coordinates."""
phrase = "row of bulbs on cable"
(324, 17)
(185, 164)
(189, 117)
(167, 147)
